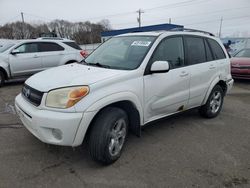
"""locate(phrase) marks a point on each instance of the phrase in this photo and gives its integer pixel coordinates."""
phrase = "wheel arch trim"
(213, 83)
(95, 108)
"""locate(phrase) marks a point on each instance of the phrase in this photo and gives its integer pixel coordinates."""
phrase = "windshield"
(243, 53)
(5, 47)
(124, 53)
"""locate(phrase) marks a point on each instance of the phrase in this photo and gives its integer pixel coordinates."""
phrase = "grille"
(32, 95)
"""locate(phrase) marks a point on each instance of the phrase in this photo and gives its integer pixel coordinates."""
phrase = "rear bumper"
(230, 83)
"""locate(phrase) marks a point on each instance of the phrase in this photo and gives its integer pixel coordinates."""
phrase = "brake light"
(84, 53)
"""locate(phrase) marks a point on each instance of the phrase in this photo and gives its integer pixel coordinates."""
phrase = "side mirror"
(159, 67)
(15, 51)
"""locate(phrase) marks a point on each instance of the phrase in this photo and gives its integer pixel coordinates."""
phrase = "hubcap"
(118, 134)
(215, 102)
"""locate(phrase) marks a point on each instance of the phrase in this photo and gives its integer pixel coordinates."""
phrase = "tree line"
(81, 32)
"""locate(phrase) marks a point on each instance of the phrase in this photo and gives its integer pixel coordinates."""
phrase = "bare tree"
(81, 32)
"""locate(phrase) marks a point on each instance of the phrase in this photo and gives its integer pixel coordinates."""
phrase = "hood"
(70, 75)
(240, 61)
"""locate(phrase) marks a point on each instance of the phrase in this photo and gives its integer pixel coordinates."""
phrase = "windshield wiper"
(97, 64)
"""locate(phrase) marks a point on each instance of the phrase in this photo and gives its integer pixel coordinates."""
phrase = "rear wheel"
(214, 103)
(108, 135)
(2, 78)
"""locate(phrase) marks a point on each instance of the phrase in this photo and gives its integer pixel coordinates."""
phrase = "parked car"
(27, 57)
(240, 64)
(129, 81)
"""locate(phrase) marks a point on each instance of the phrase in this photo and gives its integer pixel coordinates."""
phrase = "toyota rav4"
(127, 82)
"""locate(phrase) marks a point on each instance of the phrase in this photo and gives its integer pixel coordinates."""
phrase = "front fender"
(116, 97)
(92, 111)
(212, 84)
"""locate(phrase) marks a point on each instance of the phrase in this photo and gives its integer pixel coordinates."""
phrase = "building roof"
(140, 29)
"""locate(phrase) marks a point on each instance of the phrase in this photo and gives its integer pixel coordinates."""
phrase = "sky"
(197, 14)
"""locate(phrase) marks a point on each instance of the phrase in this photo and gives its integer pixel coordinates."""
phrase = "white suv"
(127, 82)
(26, 57)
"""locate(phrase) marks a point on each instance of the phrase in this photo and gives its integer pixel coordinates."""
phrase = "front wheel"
(108, 135)
(2, 78)
(214, 103)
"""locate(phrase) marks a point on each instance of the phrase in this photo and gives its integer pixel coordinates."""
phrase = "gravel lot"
(181, 151)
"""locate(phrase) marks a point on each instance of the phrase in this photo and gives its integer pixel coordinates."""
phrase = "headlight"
(66, 97)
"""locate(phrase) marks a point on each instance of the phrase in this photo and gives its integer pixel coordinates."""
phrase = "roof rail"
(192, 30)
(50, 38)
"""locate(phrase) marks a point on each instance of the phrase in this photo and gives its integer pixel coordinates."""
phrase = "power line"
(172, 5)
(225, 19)
(167, 6)
(191, 15)
(177, 5)
(10, 19)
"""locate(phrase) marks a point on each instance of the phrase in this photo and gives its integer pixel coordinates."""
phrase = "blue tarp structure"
(140, 29)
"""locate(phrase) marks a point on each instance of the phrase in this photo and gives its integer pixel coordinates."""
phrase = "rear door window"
(49, 47)
(195, 50)
(216, 48)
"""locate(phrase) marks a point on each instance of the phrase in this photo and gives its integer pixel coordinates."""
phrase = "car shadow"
(80, 155)
(14, 82)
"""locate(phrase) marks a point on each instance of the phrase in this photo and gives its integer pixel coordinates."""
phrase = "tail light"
(84, 53)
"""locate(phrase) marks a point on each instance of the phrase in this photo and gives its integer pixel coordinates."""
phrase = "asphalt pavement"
(181, 151)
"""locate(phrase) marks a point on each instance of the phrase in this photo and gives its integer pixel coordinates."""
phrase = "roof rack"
(192, 30)
(50, 38)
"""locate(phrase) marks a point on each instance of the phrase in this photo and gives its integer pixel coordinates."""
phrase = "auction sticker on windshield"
(141, 43)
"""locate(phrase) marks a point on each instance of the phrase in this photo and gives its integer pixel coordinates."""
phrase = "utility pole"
(221, 20)
(139, 18)
(22, 25)
(169, 21)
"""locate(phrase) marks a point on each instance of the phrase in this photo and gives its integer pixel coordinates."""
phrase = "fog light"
(57, 134)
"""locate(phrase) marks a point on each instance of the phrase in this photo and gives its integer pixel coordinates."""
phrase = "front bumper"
(51, 127)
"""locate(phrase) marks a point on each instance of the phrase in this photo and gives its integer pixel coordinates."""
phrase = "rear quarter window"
(216, 49)
(73, 45)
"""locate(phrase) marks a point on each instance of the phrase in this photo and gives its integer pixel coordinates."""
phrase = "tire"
(108, 135)
(2, 78)
(214, 103)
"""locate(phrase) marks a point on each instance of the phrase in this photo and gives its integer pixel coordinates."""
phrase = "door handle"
(212, 67)
(183, 74)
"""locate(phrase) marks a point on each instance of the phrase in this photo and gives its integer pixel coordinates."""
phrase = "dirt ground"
(181, 151)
